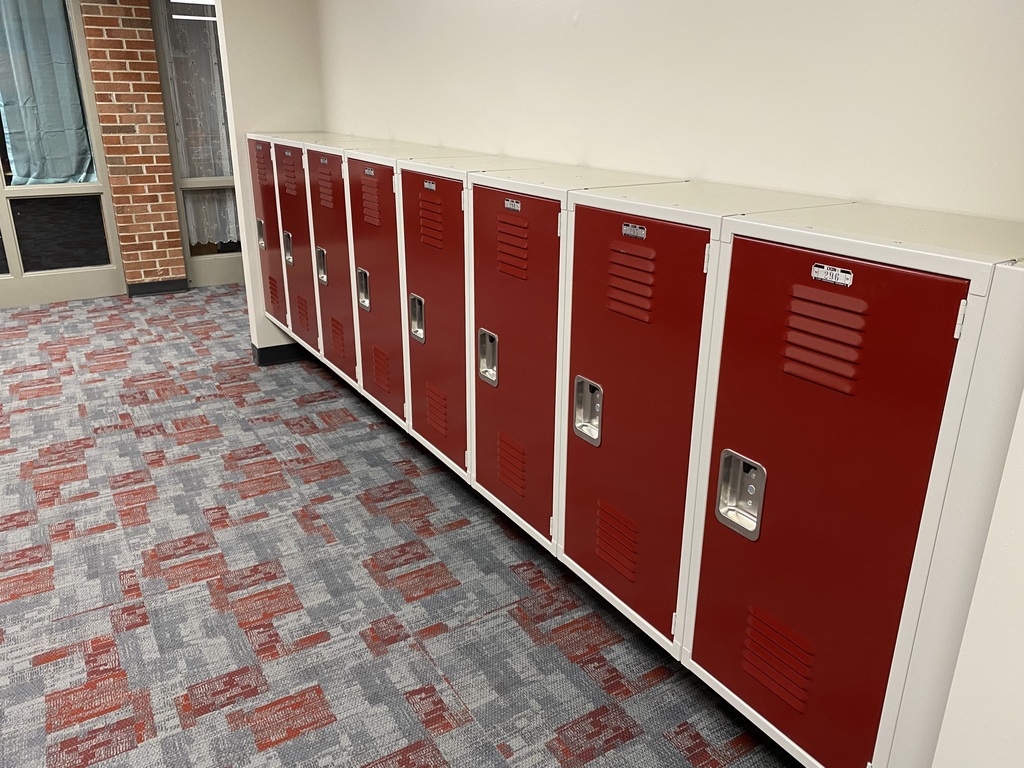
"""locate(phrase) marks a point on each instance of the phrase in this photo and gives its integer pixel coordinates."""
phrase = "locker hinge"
(344, 170)
(465, 192)
(561, 223)
(394, 183)
(707, 257)
(305, 161)
(961, 314)
(675, 618)
(551, 527)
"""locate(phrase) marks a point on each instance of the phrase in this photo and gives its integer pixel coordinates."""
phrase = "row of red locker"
(620, 363)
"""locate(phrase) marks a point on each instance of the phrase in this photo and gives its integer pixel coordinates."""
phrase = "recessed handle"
(741, 484)
(417, 329)
(487, 348)
(287, 245)
(261, 234)
(321, 265)
(363, 288)
(588, 406)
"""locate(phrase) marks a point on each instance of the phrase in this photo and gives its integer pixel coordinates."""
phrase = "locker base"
(283, 353)
(534, 534)
(667, 643)
(462, 473)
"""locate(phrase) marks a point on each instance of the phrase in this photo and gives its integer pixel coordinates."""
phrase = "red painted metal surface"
(291, 193)
(839, 393)
(327, 188)
(636, 323)
(375, 240)
(516, 269)
(264, 193)
(435, 270)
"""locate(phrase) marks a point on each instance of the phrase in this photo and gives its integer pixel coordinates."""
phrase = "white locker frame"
(457, 169)
(553, 182)
(984, 392)
(703, 205)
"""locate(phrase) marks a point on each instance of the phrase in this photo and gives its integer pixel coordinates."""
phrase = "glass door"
(58, 241)
(188, 48)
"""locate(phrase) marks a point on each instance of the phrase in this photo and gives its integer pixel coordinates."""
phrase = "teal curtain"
(40, 100)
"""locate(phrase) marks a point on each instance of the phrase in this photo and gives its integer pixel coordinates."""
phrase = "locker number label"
(323, 161)
(431, 185)
(834, 275)
(369, 172)
(513, 205)
(635, 231)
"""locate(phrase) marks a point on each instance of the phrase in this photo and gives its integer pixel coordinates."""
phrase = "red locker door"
(838, 392)
(637, 302)
(333, 275)
(295, 243)
(516, 252)
(435, 273)
(264, 195)
(375, 239)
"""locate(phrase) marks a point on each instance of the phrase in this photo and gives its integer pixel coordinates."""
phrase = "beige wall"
(271, 54)
(916, 102)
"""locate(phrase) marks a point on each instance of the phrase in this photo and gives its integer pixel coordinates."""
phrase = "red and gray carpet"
(205, 563)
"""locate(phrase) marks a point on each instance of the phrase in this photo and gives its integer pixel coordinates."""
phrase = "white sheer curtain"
(200, 121)
(40, 103)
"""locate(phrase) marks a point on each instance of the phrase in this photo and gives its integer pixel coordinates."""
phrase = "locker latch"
(417, 329)
(261, 234)
(587, 407)
(487, 355)
(363, 288)
(321, 265)
(741, 484)
(287, 245)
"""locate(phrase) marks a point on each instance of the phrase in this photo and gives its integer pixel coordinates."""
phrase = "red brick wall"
(122, 57)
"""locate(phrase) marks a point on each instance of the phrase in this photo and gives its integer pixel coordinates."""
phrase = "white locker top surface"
(556, 181)
(969, 239)
(390, 154)
(697, 203)
(459, 168)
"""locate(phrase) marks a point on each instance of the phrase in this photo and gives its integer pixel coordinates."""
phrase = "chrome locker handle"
(261, 234)
(587, 409)
(741, 483)
(487, 348)
(321, 265)
(417, 329)
(287, 245)
(363, 288)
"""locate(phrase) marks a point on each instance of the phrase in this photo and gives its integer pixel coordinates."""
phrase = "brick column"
(122, 57)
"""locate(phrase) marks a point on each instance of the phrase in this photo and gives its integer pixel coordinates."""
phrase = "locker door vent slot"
(302, 313)
(289, 175)
(382, 369)
(617, 540)
(824, 338)
(274, 289)
(630, 280)
(431, 220)
(513, 251)
(262, 176)
(512, 464)
(371, 200)
(325, 187)
(437, 409)
(779, 659)
(337, 339)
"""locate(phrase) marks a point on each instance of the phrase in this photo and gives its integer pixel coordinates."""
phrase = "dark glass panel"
(60, 232)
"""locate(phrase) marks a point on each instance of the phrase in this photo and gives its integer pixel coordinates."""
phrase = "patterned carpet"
(204, 563)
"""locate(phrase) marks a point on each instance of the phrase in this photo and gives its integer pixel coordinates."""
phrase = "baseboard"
(283, 353)
(158, 286)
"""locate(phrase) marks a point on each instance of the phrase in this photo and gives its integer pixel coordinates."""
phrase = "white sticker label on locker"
(431, 185)
(833, 275)
(635, 231)
(369, 172)
(287, 153)
(323, 161)
(513, 205)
